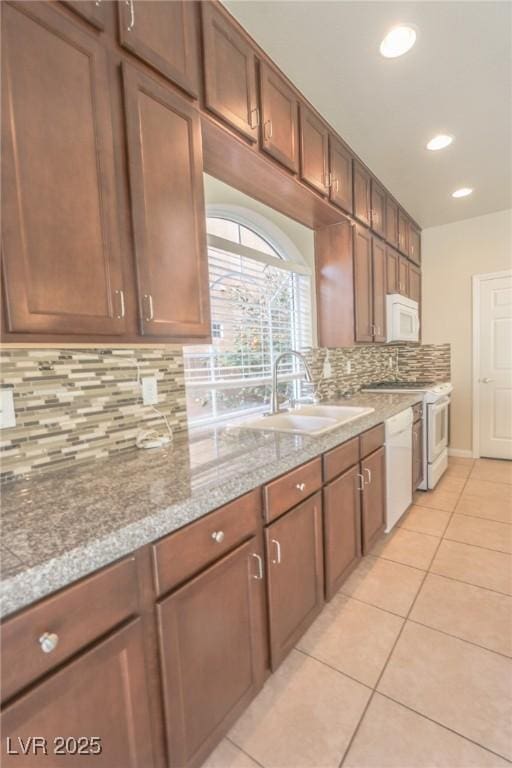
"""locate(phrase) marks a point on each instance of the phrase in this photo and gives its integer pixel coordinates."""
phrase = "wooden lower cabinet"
(342, 528)
(103, 694)
(417, 454)
(373, 469)
(212, 646)
(295, 579)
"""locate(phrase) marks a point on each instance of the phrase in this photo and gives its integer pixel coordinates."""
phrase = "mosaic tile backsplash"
(74, 405)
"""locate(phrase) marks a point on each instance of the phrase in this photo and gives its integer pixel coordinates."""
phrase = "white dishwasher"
(398, 444)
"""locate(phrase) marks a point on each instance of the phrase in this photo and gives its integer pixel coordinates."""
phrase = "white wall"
(451, 255)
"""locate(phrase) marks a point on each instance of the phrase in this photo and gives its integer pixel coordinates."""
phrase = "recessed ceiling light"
(398, 41)
(439, 142)
(462, 192)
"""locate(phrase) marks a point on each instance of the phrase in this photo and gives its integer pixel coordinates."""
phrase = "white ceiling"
(457, 79)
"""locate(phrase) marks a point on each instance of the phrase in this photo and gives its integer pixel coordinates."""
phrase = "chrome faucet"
(274, 401)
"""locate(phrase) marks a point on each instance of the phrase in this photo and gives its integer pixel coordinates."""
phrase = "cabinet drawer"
(340, 459)
(417, 412)
(370, 440)
(188, 551)
(77, 616)
(290, 489)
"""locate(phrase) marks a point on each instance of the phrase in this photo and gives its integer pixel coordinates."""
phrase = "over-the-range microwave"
(403, 320)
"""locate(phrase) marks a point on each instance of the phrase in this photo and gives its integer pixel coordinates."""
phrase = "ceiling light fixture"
(439, 142)
(398, 41)
(462, 192)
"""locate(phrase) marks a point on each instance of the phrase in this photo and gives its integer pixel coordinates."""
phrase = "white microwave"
(403, 320)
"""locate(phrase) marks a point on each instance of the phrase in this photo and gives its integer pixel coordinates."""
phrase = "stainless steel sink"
(307, 419)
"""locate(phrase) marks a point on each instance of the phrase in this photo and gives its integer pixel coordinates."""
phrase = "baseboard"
(460, 453)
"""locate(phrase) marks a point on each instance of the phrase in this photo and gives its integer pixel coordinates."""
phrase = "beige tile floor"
(410, 664)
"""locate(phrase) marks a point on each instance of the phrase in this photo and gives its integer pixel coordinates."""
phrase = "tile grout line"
(243, 751)
(365, 710)
(461, 639)
(489, 519)
(334, 669)
(478, 546)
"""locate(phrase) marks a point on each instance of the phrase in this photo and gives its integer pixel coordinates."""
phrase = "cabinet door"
(403, 276)
(61, 256)
(342, 529)
(414, 245)
(363, 293)
(379, 267)
(101, 693)
(403, 233)
(362, 193)
(378, 208)
(392, 277)
(163, 34)
(295, 575)
(417, 454)
(373, 469)
(314, 150)
(92, 11)
(168, 213)
(391, 222)
(279, 118)
(229, 72)
(414, 287)
(211, 635)
(340, 162)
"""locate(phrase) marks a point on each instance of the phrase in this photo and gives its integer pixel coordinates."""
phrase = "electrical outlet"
(348, 367)
(7, 413)
(149, 390)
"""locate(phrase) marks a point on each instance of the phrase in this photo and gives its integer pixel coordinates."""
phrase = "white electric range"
(436, 404)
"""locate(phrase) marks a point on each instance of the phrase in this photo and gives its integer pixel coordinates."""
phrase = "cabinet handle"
(301, 487)
(98, 3)
(131, 6)
(336, 184)
(277, 560)
(486, 380)
(149, 299)
(259, 575)
(361, 479)
(254, 122)
(267, 129)
(120, 293)
(327, 180)
(218, 536)
(369, 474)
(48, 642)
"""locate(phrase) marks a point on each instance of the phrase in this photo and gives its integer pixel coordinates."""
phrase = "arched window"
(260, 303)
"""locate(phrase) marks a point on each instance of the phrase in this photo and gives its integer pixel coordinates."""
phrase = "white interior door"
(495, 369)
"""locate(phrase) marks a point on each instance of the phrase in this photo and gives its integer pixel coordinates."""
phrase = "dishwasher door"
(398, 444)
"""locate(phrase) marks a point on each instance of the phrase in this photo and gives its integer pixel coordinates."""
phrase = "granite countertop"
(61, 526)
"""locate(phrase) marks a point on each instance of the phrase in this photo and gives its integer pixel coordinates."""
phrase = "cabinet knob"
(48, 642)
(218, 536)
(301, 487)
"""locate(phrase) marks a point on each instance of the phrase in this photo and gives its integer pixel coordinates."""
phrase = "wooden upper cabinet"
(363, 291)
(314, 150)
(403, 276)
(414, 244)
(61, 257)
(403, 232)
(163, 34)
(229, 72)
(168, 213)
(279, 118)
(211, 634)
(340, 162)
(92, 11)
(334, 285)
(378, 208)
(295, 566)
(342, 529)
(392, 276)
(379, 288)
(362, 193)
(108, 678)
(373, 469)
(414, 285)
(391, 221)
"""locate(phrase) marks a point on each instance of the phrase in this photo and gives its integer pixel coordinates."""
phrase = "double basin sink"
(307, 419)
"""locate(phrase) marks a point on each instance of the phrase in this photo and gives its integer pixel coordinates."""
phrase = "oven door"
(405, 323)
(437, 434)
